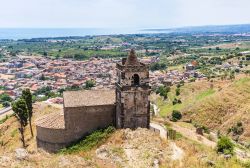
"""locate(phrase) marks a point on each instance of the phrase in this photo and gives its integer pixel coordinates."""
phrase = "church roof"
(53, 120)
(88, 98)
(132, 59)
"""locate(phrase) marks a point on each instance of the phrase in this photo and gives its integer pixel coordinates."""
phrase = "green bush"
(176, 101)
(177, 91)
(237, 129)
(176, 115)
(163, 91)
(5, 98)
(90, 141)
(158, 66)
(182, 83)
(225, 145)
(192, 80)
(89, 84)
(6, 104)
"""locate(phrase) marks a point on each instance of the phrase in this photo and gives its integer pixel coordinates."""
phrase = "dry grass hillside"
(221, 108)
(123, 148)
(218, 105)
(9, 134)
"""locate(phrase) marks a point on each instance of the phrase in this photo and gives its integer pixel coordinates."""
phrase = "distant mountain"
(243, 28)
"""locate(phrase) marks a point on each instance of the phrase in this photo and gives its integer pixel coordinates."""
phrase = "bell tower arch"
(132, 93)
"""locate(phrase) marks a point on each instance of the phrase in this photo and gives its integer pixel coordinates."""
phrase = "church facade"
(85, 111)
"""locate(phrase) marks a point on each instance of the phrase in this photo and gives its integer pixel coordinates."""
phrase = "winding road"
(5, 110)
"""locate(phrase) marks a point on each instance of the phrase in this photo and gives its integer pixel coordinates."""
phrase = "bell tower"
(132, 93)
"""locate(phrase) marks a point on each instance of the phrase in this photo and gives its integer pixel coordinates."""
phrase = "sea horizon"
(29, 33)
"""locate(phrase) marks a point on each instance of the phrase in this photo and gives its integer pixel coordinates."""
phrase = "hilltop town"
(199, 92)
(39, 72)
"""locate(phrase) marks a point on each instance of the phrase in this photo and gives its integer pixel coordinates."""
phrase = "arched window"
(136, 79)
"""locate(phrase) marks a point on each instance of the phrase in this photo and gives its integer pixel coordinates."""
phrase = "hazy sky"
(122, 13)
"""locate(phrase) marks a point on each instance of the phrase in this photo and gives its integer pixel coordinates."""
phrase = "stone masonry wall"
(84, 120)
(79, 121)
(50, 139)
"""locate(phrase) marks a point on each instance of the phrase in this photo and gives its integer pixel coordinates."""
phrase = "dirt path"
(191, 134)
(177, 152)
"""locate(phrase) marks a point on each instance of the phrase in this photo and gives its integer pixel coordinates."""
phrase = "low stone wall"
(50, 139)
(50, 146)
(156, 130)
(51, 134)
(159, 129)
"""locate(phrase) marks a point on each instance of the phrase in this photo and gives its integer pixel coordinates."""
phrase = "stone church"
(85, 111)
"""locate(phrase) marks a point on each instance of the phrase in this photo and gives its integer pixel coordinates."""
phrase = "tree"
(21, 113)
(163, 91)
(232, 75)
(225, 145)
(176, 115)
(45, 53)
(58, 56)
(5, 98)
(177, 91)
(27, 96)
(6, 104)
(79, 56)
(158, 66)
(182, 83)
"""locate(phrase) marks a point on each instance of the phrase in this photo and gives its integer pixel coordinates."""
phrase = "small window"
(136, 79)
(123, 75)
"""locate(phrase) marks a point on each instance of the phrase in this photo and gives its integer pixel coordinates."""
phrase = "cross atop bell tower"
(132, 92)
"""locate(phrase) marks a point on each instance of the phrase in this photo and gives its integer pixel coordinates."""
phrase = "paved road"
(163, 131)
(3, 111)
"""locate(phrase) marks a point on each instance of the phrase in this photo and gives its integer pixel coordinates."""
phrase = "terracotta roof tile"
(52, 120)
(88, 98)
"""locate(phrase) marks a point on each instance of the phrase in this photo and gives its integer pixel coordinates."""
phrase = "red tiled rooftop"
(52, 120)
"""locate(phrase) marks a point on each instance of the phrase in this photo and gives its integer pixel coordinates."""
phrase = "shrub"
(182, 82)
(89, 84)
(237, 129)
(192, 79)
(90, 141)
(176, 101)
(158, 66)
(225, 145)
(177, 92)
(5, 98)
(176, 115)
(163, 91)
(6, 104)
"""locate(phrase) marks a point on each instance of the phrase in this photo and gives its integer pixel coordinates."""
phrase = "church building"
(85, 111)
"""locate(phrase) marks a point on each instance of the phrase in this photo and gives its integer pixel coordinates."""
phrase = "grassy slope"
(191, 93)
(226, 107)
(217, 107)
